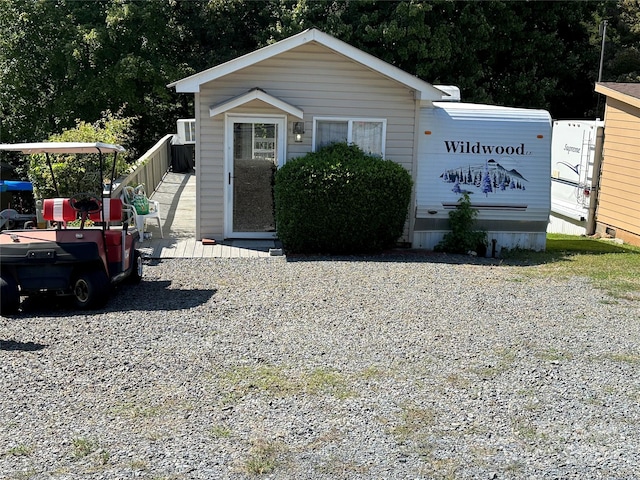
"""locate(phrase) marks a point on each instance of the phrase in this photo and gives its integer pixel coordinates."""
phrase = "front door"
(255, 149)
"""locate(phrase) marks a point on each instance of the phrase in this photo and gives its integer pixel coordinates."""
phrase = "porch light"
(298, 131)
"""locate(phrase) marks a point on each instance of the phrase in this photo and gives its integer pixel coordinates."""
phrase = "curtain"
(368, 136)
(329, 131)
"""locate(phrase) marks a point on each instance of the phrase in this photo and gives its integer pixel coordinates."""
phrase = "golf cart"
(80, 261)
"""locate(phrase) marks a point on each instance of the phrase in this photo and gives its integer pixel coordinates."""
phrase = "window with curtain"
(368, 134)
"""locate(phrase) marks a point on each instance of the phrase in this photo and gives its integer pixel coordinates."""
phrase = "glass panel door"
(255, 156)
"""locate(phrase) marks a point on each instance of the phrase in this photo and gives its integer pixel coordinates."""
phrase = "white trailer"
(500, 156)
(576, 154)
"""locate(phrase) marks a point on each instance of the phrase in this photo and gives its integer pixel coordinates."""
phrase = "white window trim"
(350, 121)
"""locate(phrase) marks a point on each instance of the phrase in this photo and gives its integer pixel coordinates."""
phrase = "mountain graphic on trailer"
(488, 178)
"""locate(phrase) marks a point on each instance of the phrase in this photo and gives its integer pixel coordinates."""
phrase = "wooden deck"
(191, 248)
(177, 198)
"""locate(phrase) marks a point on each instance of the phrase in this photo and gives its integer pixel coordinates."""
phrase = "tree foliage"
(64, 60)
(81, 173)
(622, 46)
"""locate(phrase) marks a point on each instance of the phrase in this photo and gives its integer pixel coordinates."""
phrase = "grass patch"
(326, 381)
(373, 373)
(19, 451)
(631, 358)
(140, 465)
(527, 431)
(220, 431)
(24, 475)
(553, 355)
(135, 410)
(263, 457)
(278, 381)
(104, 457)
(83, 447)
(458, 381)
(415, 422)
(146, 408)
(443, 468)
(271, 379)
(609, 266)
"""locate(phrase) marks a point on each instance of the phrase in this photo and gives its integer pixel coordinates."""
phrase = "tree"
(63, 61)
(486, 182)
(32, 71)
(622, 45)
(81, 174)
(463, 237)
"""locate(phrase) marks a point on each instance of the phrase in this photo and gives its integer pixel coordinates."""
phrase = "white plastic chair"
(139, 220)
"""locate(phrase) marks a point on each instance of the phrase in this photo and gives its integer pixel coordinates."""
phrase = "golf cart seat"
(58, 210)
(112, 208)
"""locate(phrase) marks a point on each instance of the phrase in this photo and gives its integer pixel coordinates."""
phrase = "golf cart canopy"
(62, 147)
(15, 186)
(68, 148)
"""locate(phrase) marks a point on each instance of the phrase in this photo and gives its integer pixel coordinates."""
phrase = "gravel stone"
(384, 367)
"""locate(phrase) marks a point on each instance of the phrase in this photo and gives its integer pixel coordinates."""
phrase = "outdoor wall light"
(298, 130)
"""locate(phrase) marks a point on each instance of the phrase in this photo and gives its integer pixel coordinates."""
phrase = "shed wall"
(619, 196)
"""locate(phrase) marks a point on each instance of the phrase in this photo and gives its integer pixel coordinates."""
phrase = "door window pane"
(264, 141)
(254, 166)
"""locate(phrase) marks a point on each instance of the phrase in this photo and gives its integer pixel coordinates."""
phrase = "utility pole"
(603, 34)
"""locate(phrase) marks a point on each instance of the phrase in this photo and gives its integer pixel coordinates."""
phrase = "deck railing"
(149, 170)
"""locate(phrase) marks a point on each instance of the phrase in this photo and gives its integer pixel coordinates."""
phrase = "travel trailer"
(576, 155)
(499, 156)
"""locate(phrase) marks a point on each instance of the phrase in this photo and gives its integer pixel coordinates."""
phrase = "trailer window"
(368, 134)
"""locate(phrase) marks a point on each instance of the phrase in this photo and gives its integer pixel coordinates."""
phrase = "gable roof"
(624, 92)
(255, 94)
(424, 90)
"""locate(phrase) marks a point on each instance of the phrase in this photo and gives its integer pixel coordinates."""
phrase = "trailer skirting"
(497, 240)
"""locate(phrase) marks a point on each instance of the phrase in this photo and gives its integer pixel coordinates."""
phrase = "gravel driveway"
(409, 367)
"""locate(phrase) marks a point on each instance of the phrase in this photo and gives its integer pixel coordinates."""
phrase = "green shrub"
(339, 200)
(463, 237)
(80, 173)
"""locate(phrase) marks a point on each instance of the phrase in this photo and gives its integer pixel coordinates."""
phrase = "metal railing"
(149, 170)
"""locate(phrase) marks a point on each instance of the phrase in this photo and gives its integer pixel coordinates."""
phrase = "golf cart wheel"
(90, 289)
(136, 269)
(9, 295)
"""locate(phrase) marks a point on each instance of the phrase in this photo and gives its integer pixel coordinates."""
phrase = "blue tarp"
(15, 186)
